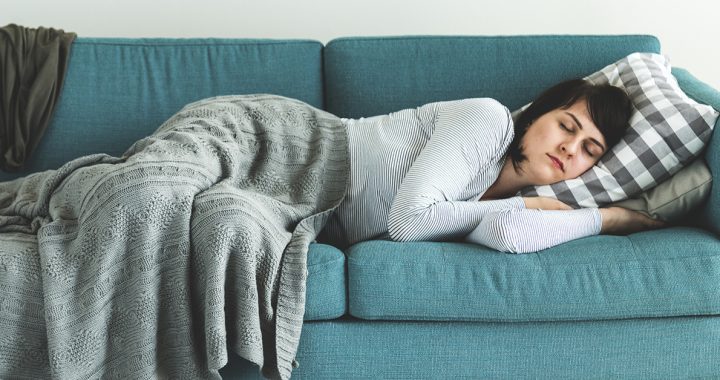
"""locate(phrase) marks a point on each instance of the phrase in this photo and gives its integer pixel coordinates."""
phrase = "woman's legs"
(23, 338)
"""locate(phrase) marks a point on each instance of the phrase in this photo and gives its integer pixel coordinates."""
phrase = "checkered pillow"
(667, 131)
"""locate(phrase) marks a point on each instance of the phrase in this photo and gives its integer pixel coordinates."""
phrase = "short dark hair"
(609, 108)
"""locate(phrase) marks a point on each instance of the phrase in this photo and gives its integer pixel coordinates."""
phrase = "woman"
(451, 170)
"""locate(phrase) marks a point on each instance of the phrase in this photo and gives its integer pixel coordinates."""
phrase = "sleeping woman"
(452, 170)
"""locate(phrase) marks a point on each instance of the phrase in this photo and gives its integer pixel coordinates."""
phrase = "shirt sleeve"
(530, 230)
(468, 135)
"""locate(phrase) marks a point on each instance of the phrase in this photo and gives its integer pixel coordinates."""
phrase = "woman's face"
(562, 144)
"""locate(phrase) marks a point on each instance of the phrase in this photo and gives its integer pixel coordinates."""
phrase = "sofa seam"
(417, 318)
(207, 43)
(360, 263)
(474, 37)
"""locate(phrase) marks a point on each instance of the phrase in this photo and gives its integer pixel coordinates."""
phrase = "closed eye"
(589, 152)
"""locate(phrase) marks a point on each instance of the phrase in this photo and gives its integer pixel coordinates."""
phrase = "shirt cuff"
(517, 201)
(597, 217)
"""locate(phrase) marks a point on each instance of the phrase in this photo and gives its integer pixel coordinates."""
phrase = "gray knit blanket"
(154, 264)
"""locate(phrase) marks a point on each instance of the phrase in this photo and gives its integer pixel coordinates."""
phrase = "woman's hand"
(621, 221)
(544, 203)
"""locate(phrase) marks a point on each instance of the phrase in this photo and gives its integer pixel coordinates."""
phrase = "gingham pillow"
(667, 131)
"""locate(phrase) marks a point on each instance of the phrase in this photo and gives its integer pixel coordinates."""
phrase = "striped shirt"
(418, 174)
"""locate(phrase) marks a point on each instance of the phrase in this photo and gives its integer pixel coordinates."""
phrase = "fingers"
(659, 223)
(650, 223)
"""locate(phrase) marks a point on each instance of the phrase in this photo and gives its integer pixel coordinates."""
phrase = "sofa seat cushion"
(662, 273)
(325, 297)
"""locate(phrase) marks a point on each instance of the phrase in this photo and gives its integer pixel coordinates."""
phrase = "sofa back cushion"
(119, 90)
(372, 76)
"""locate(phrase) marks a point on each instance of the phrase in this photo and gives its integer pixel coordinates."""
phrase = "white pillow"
(667, 131)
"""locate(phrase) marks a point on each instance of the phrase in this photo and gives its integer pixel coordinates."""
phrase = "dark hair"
(609, 108)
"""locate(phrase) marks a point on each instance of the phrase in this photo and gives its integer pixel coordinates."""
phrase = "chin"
(550, 182)
(550, 177)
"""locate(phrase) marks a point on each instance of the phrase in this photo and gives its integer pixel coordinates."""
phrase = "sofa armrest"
(703, 93)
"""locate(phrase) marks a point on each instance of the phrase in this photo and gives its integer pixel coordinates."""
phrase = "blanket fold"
(33, 62)
(154, 263)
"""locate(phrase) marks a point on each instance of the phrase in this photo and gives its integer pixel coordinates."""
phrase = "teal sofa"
(645, 305)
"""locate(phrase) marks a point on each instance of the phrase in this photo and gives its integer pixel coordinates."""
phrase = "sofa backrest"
(366, 76)
(117, 91)
(695, 88)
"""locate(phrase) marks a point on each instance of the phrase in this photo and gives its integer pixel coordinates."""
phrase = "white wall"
(687, 29)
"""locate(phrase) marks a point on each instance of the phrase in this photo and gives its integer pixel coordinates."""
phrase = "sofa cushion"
(325, 296)
(366, 76)
(675, 198)
(669, 272)
(119, 90)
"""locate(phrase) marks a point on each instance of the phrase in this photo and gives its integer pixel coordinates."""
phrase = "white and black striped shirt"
(417, 174)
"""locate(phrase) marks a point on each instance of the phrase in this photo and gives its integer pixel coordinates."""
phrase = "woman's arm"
(530, 230)
(469, 135)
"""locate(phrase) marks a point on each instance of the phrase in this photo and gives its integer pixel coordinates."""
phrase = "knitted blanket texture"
(153, 264)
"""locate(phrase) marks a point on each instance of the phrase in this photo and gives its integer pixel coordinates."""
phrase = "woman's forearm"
(423, 221)
(530, 230)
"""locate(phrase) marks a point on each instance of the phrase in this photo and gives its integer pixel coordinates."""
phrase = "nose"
(570, 147)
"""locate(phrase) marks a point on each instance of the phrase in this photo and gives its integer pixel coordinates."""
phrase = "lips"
(557, 163)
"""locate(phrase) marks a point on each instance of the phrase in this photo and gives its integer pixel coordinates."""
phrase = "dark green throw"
(33, 62)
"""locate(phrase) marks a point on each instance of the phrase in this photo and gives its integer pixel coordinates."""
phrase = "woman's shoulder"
(476, 112)
(471, 104)
(484, 121)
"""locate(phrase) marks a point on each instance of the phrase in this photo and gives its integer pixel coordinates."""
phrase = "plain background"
(687, 29)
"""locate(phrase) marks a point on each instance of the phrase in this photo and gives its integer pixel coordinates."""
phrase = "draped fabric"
(33, 64)
(153, 264)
